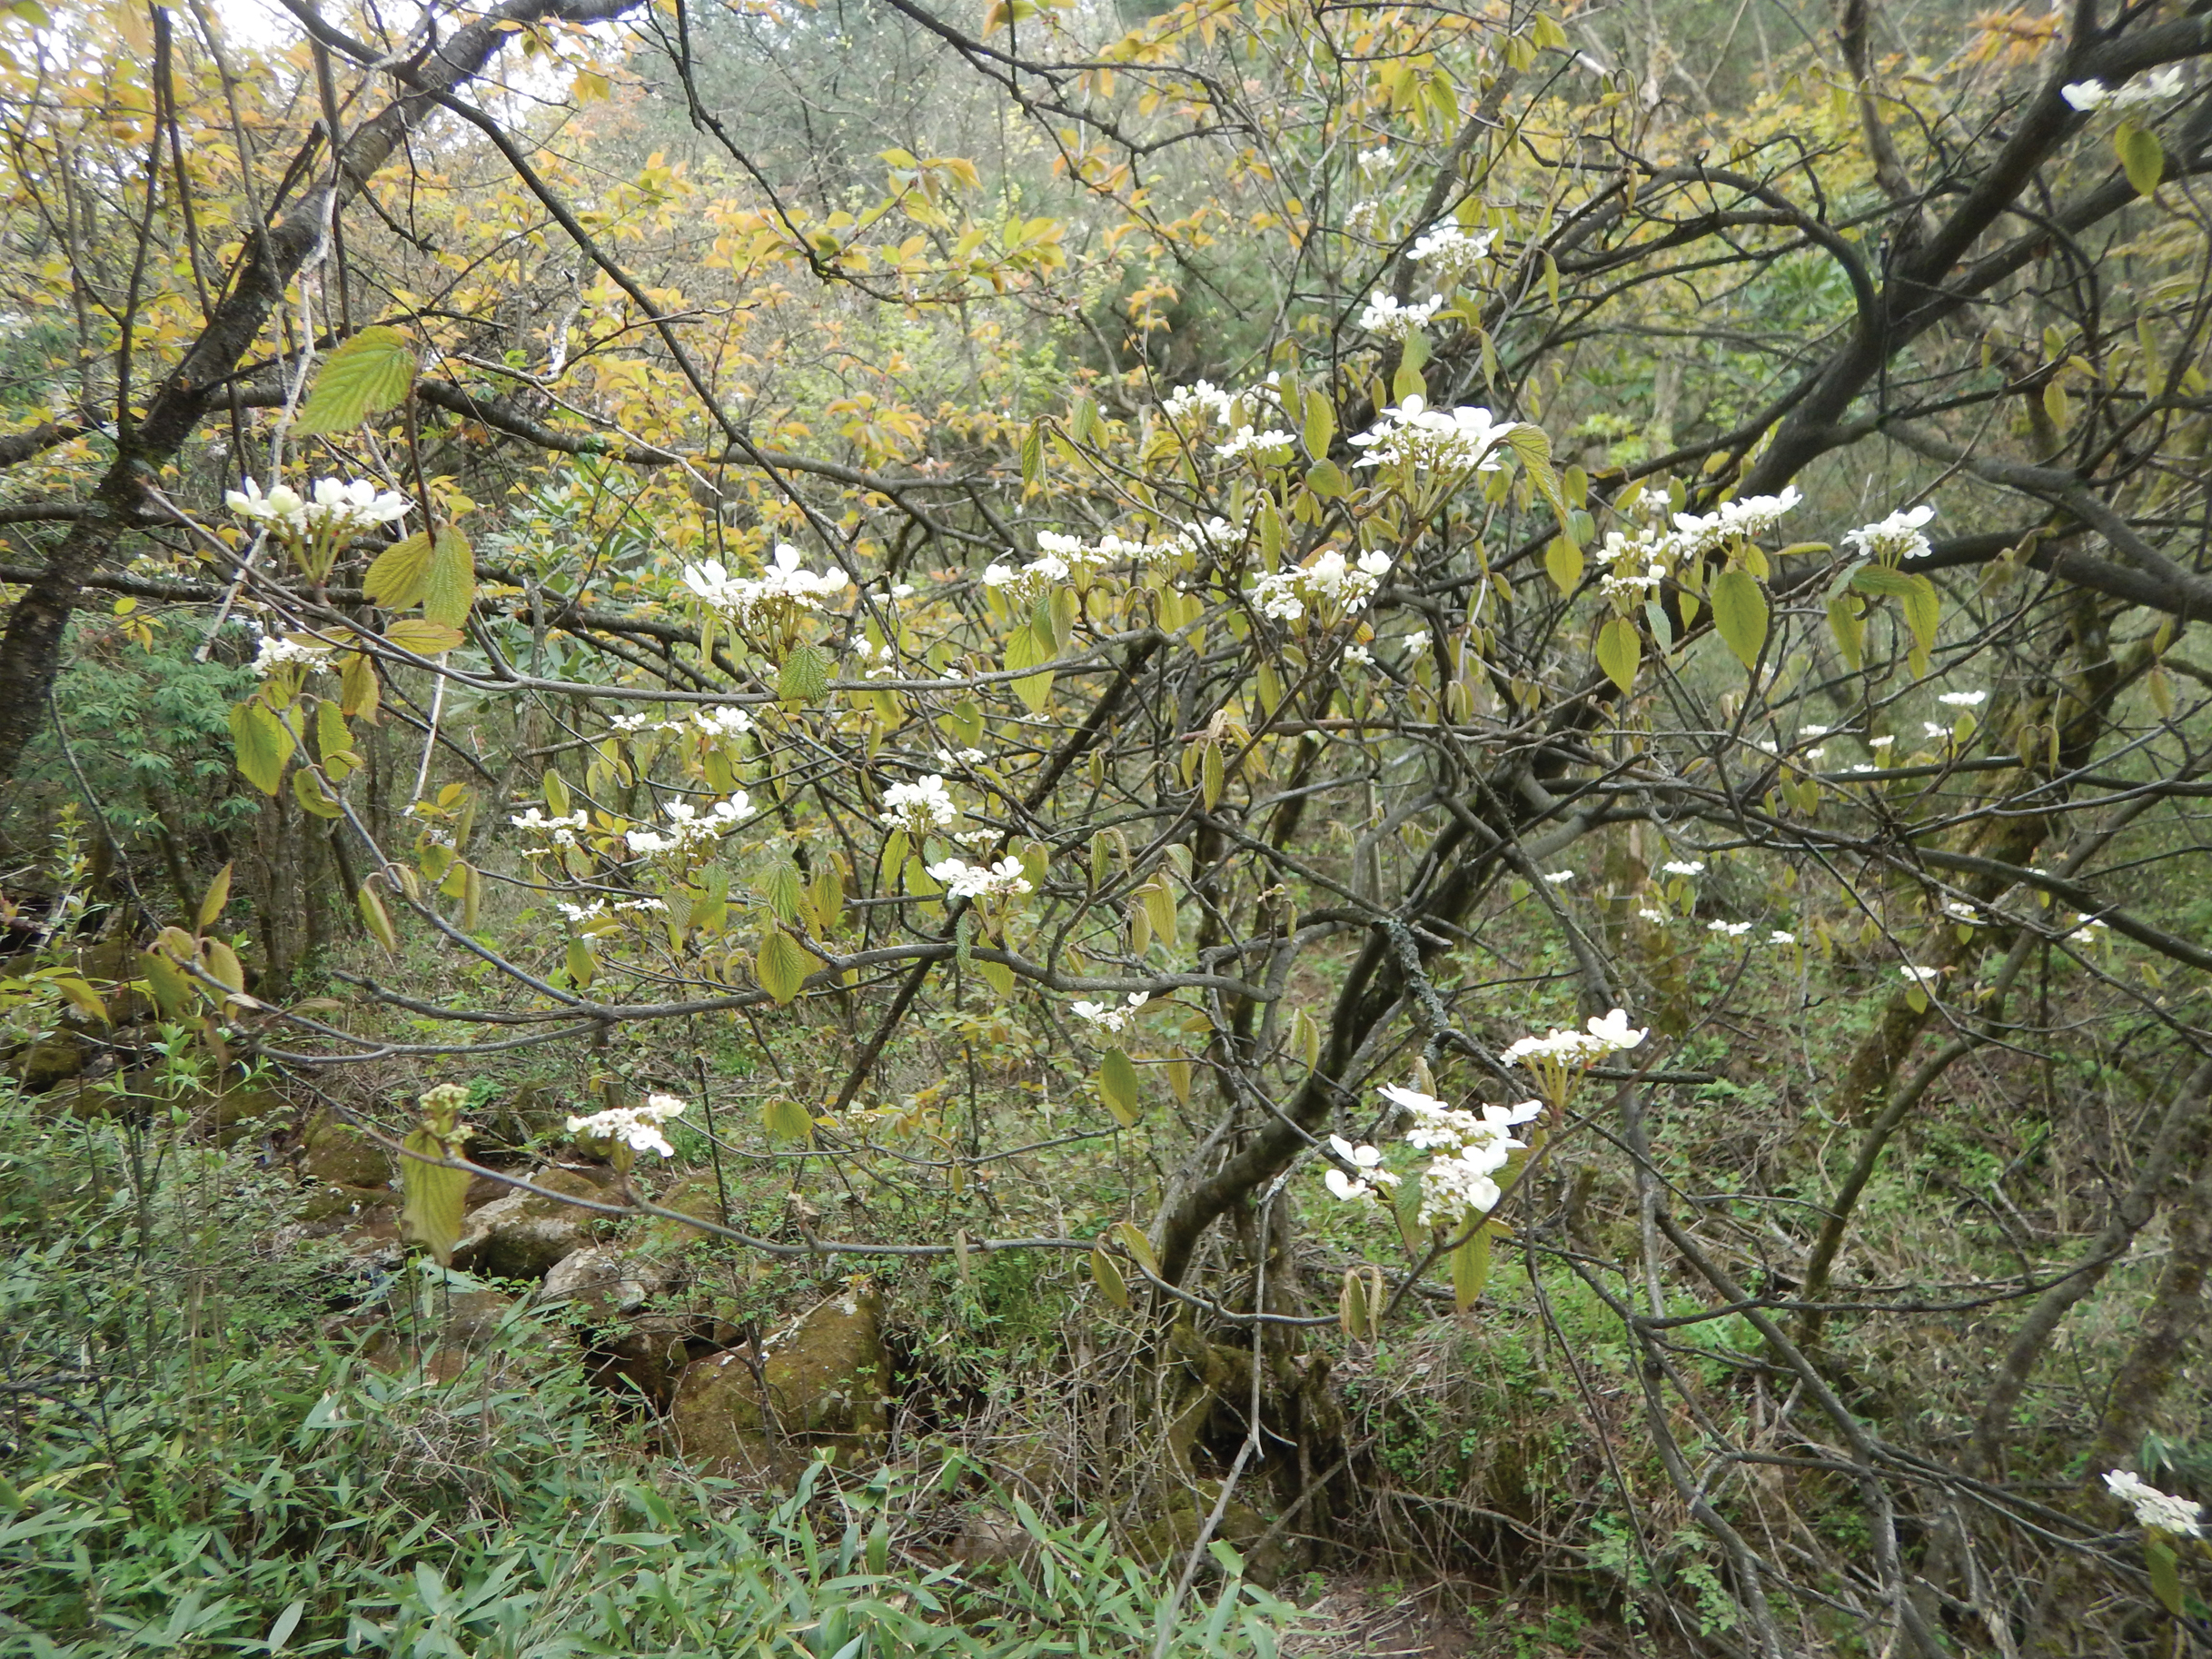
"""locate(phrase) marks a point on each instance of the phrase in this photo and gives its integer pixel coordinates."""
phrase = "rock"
(324, 1204)
(604, 1282)
(694, 1196)
(525, 1234)
(645, 1359)
(338, 1155)
(229, 1115)
(825, 1376)
(51, 1060)
(989, 1538)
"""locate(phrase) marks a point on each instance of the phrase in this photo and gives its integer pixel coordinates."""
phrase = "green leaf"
(1405, 1210)
(1619, 649)
(1033, 455)
(555, 788)
(1740, 611)
(1564, 561)
(1159, 902)
(582, 966)
(1023, 651)
(1209, 776)
(1133, 1240)
(1118, 1086)
(785, 1119)
(1850, 628)
(424, 637)
(2165, 1575)
(1534, 450)
(781, 886)
(308, 790)
(450, 588)
(436, 1195)
(2141, 157)
(224, 966)
(377, 919)
(365, 376)
(218, 894)
(1107, 1272)
(804, 676)
(782, 965)
(1320, 427)
(263, 744)
(1923, 611)
(1326, 480)
(1471, 1269)
(399, 575)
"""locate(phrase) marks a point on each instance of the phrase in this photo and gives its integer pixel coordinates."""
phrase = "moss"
(825, 1380)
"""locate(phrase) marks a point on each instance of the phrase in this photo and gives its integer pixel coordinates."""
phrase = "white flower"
(1653, 916)
(341, 510)
(1374, 161)
(2156, 87)
(1105, 1016)
(1957, 909)
(1385, 317)
(1780, 938)
(561, 829)
(1203, 399)
(1269, 445)
(637, 1126)
(1359, 654)
(783, 588)
(1695, 867)
(2153, 1507)
(1466, 438)
(282, 511)
(1450, 253)
(1607, 1034)
(1324, 580)
(966, 881)
(1032, 581)
(920, 807)
(1931, 730)
(689, 828)
(1920, 976)
(276, 652)
(1368, 1161)
(1963, 699)
(1730, 930)
(1559, 877)
(1746, 520)
(971, 757)
(1895, 538)
(722, 722)
(2088, 930)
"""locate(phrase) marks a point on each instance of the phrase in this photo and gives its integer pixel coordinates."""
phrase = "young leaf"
(450, 585)
(436, 1195)
(263, 743)
(1139, 1246)
(1471, 1269)
(782, 888)
(358, 692)
(1209, 776)
(1159, 901)
(782, 965)
(1618, 651)
(224, 966)
(1118, 1086)
(377, 919)
(1563, 561)
(1923, 611)
(1320, 427)
(399, 575)
(218, 894)
(582, 965)
(308, 790)
(1740, 611)
(785, 1119)
(1850, 628)
(2165, 1575)
(1107, 1272)
(422, 636)
(365, 376)
(805, 675)
(2141, 157)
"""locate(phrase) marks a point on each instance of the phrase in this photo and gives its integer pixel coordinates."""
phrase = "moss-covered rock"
(337, 1154)
(1168, 1538)
(604, 1282)
(825, 1380)
(50, 1061)
(525, 1234)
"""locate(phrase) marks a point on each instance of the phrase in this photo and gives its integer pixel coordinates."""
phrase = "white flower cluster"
(1443, 442)
(1372, 1177)
(277, 652)
(1607, 1034)
(1678, 866)
(966, 881)
(2153, 1507)
(1918, 976)
(1325, 579)
(332, 508)
(2088, 930)
(1110, 549)
(920, 807)
(1746, 519)
(1031, 582)
(689, 828)
(1270, 445)
(1634, 562)
(1963, 699)
(785, 586)
(1385, 317)
(561, 829)
(1729, 930)
(1460, 1186)
(722, 722)
(1894, 539)
(636, 1127)
(1105, 1016)
(1374, 161)
(582, 913)
(2156, 87)
(1450, 253)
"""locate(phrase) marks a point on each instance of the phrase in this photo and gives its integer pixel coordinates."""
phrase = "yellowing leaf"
(436, 1195)
(218, 894)
(1619, 649)
(1470, 1269)
(399, 575)
(377, 919)
(785, 1119)
(2141, 157)
(783, 965)
(1107, 1272)
(450, 584)
(1118, 1086)
(424, 637)
(262, 745)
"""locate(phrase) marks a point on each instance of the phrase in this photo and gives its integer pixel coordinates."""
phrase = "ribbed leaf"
(450, 584)
(399, 575)
(365, 376)
(263, 744)
(1740, 611)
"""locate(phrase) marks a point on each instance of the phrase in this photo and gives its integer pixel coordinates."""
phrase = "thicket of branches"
(906, 532)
